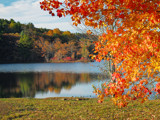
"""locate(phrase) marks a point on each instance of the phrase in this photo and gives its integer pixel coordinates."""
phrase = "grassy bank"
(75, 109)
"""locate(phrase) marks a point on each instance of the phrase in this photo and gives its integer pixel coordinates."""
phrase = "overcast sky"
(26, 11)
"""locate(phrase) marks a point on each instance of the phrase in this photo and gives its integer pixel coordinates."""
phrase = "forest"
(24, 43)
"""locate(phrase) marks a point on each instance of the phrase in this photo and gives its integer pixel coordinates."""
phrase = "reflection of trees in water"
(16, 85)
(27, 84)
(25, 81)
(56, 81)
(8, 86)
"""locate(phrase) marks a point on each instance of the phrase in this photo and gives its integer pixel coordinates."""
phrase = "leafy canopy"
(131, 41)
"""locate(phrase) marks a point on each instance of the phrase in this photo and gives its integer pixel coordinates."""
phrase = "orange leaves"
(144, 81)
(131, 41)
(89, 32)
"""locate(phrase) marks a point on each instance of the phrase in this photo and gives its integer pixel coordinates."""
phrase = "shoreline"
(50, 62)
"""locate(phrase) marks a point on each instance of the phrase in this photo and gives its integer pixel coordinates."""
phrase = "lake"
(42, 80)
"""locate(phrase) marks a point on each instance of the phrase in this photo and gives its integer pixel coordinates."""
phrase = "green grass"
(75, 109)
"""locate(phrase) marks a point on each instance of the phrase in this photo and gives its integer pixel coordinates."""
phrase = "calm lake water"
(44, 80)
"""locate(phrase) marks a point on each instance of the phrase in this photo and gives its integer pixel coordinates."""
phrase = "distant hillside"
(25, 43)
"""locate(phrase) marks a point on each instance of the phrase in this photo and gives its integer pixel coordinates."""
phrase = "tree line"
(26, 43)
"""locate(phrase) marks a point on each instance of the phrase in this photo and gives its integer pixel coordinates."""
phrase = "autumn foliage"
(131, 41)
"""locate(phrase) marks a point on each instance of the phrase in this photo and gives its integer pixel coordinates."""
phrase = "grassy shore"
(76, 109)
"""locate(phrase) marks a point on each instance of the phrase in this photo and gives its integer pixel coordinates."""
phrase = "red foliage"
(131, 41)
(54, 58)
(67, 59)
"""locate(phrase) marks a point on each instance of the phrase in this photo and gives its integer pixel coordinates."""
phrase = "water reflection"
(41, 83)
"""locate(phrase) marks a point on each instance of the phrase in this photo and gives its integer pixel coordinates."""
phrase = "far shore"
(61, 61)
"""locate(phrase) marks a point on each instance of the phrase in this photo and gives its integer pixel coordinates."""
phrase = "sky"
(28, 11)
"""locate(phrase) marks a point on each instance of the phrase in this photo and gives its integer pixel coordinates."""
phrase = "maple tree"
(131, 40)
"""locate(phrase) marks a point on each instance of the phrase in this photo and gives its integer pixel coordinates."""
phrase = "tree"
(12, 26)
(30, 26)
(71, 49)
(4, 26)
(50, 33)
(68, 33)
(61, 50)
(57, 31)
(131, 41)
(46, 48)
(25, 45)
(18, 27)
(25, 40)
(84, 45)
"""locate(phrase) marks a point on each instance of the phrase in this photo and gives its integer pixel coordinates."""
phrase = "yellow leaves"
(157, 68)
(149, 71)
(82, 1)
(155, 63)
(104, 24)
(131, 43)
